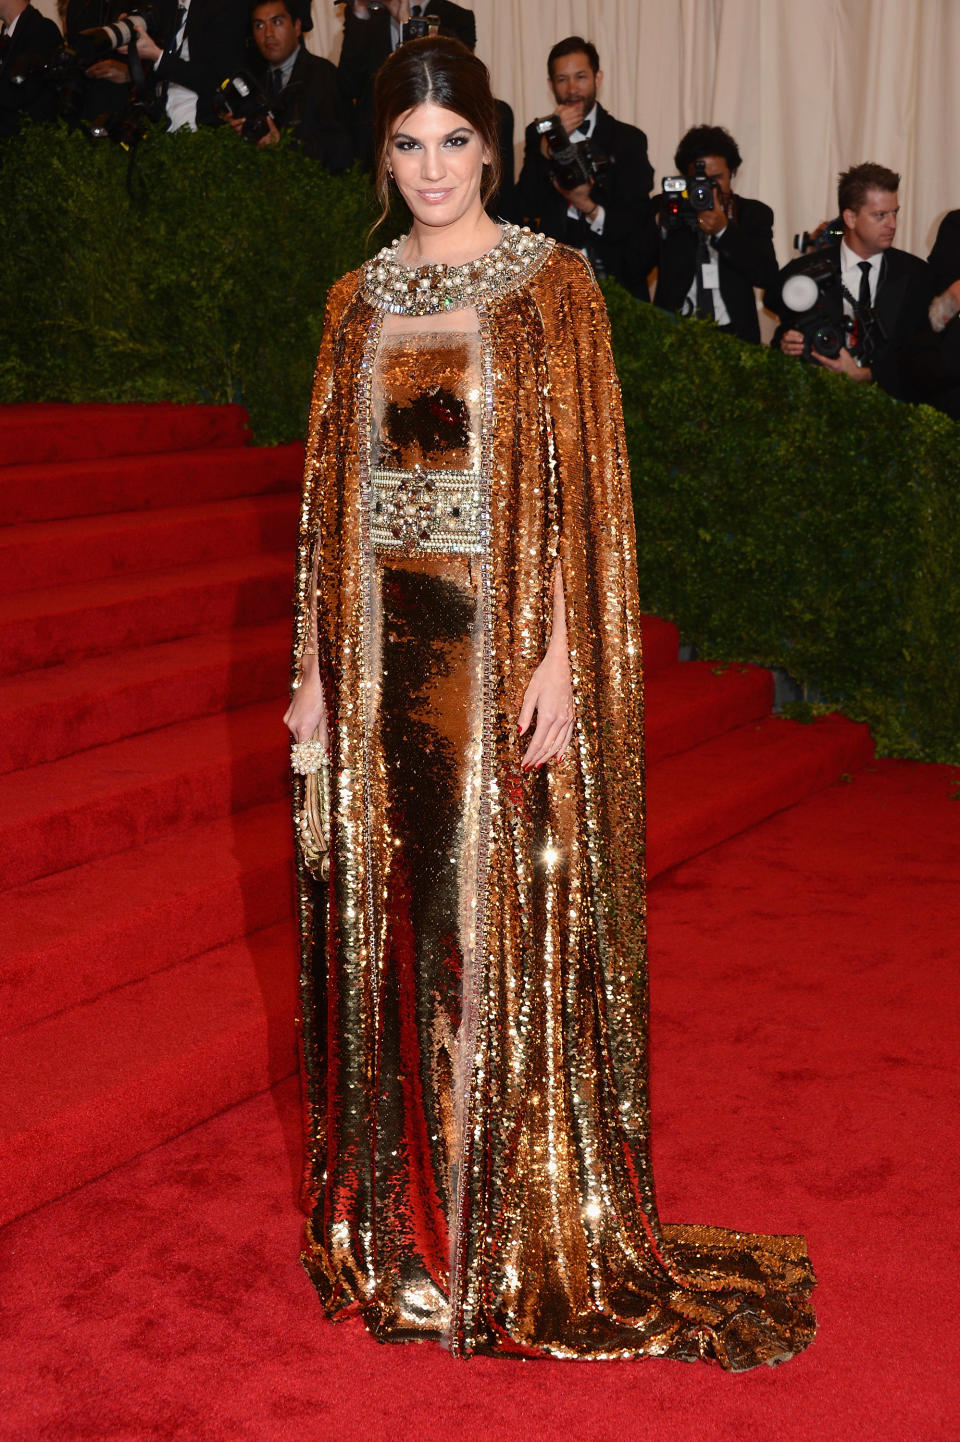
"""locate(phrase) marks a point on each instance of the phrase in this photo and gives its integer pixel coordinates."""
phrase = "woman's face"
(437, 159)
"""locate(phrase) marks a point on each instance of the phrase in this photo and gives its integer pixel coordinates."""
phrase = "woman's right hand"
(307, 712)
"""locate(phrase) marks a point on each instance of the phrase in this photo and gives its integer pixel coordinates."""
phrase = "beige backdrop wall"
(806, 86)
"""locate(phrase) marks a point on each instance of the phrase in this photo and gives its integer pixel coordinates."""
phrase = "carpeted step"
(694, 700)
(129, 792)
(92, 1086)
(91, 548)
(69, 937)
(59, 431)
(55, 490)
(60, 710)
(707, 795)
(69, 623)
(661, 643)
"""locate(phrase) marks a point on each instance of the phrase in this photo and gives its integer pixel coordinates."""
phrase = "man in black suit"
(713, 270)
(371, 32)
(864, 275)
(610, 221)
(207, 44)
(302, 88)
(934, 359)
(27, 40)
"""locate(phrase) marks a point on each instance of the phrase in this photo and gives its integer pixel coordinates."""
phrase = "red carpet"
(147, 970)
(804, 1076)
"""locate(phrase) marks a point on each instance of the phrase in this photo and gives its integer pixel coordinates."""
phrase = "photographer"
(871, 300)
(27, 39)
(372, 30)
(107, 85)
(711, 260)
(301, 89)
(605, 214)
(935, 358)
(208, 43)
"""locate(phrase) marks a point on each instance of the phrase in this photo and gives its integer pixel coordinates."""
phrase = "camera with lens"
(240, 98)
(102, 40)
(830, 233)
(419, 27)
(572, 163)
(62, 70)
(684, 198)
(804, 295)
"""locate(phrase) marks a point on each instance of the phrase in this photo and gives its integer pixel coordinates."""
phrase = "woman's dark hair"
(447, 74)
(707, 140)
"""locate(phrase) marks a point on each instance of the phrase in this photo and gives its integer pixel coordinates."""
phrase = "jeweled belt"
(424, 510)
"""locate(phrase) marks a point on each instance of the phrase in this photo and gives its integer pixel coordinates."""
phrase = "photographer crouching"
(715, 246)
(586, 177)
(856, 306)
(291, 90)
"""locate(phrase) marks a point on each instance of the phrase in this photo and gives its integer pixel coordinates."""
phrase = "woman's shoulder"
(345, 288)
(567, 269)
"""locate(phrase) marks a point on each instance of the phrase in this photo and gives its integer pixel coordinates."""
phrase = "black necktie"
(864, 299)
(276, 82)
(705, 305)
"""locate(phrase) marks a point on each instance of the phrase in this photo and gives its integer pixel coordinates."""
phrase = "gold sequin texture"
(474, 977)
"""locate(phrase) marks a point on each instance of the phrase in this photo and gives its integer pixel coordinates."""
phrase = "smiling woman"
(468, 652)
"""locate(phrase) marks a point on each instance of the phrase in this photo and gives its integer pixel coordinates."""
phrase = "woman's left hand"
(550, 695)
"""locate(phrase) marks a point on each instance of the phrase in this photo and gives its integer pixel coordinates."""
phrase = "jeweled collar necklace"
(429, 289)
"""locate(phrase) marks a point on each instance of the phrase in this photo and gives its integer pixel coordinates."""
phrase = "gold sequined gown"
(473, 981)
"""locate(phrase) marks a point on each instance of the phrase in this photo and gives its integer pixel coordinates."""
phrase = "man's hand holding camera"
(114, 70)
(237, 122)
(147, 47)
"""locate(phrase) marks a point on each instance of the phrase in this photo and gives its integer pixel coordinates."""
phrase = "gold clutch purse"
(310, 760)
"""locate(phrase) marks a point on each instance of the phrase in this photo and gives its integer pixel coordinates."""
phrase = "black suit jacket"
(745, 258)
(310, 105)
(628, 247)
(366, 45)
(934, 359)
(32, 43)
(217, 35)
(944, 259)
(904, 292)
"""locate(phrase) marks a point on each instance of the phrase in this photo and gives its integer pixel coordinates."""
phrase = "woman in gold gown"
(474, 984)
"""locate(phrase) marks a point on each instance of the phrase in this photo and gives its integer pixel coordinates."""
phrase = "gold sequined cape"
(554, 1246)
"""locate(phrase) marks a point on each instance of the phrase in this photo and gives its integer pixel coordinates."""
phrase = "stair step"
(69, 937)
(43, 628)
(122, 795)
(93, 1086)
(91, 548)
(60, 710)
(734, 781)
(60, 431)
(661, 644)
(55, 490)
(694, 700)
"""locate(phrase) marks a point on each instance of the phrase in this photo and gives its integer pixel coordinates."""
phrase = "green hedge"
(784, 516)
(788, 517)
(206, 282)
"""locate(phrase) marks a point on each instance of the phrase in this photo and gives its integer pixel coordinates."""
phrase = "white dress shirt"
(850, 275)
(720, 313)
(181, 102)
